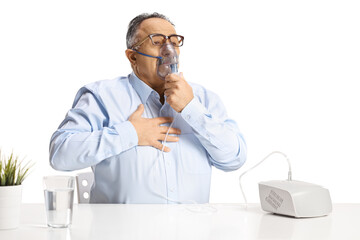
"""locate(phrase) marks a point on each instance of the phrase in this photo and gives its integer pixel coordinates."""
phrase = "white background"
(287, 71)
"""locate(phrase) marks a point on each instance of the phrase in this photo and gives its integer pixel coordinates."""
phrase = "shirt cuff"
(193, 112)
(128, 135)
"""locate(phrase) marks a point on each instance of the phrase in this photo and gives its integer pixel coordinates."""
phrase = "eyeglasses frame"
(157, 34)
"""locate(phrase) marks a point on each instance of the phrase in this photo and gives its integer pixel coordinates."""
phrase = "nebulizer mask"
(168, 63)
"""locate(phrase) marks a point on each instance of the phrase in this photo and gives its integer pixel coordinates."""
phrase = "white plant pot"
(10, 204)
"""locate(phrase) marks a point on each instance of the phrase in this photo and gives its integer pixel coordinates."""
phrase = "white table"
(230, 221)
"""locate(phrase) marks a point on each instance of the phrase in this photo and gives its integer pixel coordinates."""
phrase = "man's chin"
(160, 78)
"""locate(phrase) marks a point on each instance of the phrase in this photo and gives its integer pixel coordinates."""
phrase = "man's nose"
(166, 49)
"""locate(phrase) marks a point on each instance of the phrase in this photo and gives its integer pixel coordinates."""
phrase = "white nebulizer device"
(291, 198)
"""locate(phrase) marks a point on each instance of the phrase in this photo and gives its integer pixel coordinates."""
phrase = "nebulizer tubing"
(256, 165)
(196, 209)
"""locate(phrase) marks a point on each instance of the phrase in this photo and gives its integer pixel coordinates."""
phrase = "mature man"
(118, 128)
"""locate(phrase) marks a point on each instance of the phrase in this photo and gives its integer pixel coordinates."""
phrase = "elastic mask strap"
(158, 57)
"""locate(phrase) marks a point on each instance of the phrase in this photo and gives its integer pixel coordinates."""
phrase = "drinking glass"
(59, 198)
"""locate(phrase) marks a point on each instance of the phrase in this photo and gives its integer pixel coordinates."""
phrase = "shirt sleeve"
(83, 139)
(218, 134)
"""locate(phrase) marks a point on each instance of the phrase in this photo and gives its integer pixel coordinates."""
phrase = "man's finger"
(169, 92)
(139, 111)
(161, 120)
(164, 129)
(169, 138)
(159, 146)
(173, 77)
(169, 85)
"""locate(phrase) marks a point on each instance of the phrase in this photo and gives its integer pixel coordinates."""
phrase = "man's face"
(145, 67)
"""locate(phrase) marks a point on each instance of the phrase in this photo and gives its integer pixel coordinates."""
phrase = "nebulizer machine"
(291, 197)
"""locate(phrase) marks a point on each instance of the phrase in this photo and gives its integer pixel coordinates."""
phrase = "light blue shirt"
(96, 133)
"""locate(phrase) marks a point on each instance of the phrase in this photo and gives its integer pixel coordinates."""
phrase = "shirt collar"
(142, 89)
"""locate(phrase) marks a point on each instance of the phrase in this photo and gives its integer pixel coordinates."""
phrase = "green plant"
(11, 171)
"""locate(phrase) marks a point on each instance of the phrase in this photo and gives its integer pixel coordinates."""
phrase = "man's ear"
(131, 55)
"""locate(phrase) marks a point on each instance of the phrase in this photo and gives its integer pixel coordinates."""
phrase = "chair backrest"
(84, 181)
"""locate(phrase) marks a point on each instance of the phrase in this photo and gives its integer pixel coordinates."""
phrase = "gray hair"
(135, 23)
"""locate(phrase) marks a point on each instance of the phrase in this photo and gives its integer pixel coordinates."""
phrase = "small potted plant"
(12, 174)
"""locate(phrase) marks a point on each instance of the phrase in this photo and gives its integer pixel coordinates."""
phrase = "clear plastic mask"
(169, 60)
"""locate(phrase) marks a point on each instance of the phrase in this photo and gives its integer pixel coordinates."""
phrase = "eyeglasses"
(158, 39)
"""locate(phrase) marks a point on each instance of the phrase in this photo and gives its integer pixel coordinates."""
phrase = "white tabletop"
(230, 221)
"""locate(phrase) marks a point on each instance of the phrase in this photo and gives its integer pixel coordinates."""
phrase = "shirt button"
(187, 117)
(171, 189)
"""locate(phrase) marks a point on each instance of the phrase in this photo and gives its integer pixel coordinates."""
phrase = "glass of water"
(59, 198)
